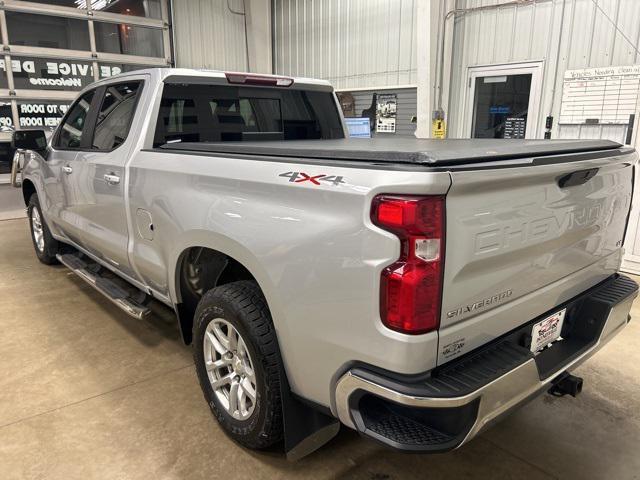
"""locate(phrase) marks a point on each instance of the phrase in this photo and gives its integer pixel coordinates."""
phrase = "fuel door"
(144, 223)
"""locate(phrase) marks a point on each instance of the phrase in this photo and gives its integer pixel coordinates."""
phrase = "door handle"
(67, 169)
(577, 178)
(112, 178)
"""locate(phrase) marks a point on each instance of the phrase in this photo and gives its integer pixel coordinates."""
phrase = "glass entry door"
(504, 102)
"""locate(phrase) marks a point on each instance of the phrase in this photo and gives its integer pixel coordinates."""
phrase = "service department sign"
(46, 74)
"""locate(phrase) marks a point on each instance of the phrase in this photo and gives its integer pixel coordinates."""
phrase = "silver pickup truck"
(413, 290)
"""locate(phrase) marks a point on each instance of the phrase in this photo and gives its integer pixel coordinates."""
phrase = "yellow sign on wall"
(438, 128)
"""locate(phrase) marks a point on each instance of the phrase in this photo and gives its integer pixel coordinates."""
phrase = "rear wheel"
(238, 363)
(45, 245)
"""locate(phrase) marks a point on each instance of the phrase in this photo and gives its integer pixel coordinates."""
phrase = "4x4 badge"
(300, 177)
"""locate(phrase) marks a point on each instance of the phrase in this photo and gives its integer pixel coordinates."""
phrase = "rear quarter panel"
(312, 248)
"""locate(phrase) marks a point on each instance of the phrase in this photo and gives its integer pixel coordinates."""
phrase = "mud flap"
(305, 428)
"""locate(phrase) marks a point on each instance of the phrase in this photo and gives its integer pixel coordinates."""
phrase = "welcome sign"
(47, 74)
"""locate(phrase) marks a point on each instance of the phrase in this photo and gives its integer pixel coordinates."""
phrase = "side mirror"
(35, 140)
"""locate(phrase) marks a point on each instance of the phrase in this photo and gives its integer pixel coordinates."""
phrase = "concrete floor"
(11, 202)
(86, 392)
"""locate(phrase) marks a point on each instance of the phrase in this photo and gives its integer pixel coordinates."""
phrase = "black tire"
(46, 254)
(242, 304)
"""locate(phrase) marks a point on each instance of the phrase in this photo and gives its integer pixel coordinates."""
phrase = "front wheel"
(45, 245)
(238, 363)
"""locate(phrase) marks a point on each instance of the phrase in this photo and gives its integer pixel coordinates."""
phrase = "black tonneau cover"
(403, 149)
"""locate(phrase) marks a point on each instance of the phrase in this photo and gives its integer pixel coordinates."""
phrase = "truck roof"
(164, 73)
(404, 149)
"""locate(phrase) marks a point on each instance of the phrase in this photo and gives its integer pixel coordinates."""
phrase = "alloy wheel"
(230, 369)
(37, 229)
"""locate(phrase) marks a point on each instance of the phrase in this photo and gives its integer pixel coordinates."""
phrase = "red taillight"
(263, 80)
(411, 288)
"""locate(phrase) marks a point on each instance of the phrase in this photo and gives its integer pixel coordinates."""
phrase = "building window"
(3, 74)
(47, 31)
(106, 70)
(139, 8)
(6, 121)
(51, 74)
(128, 39)
(37, 87)
(61, 3)
(40, 113)
(6, 152)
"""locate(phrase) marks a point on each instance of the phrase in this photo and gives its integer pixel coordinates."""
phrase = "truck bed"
(403, 149)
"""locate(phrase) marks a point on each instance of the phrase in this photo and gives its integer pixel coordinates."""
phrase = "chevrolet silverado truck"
(414, 290)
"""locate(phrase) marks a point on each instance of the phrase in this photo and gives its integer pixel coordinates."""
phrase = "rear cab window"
(115, 115)
(221, 113)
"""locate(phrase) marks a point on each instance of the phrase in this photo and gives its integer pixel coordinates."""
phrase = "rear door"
(522, 240)
(99, 175)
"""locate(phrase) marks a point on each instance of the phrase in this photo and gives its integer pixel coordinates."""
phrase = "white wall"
(260, 35)
(571, 34)
(372, 43)
(351, 43)
(564, 35)
(208, 35)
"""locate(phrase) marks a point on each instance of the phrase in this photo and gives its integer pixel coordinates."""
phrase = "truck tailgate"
(523, 239)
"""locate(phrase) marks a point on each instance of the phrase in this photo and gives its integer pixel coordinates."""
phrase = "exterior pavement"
(87, 392)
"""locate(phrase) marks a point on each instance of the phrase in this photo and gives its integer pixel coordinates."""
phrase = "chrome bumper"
(495, 398)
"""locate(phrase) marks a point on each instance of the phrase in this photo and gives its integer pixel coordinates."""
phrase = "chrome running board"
(116, 294)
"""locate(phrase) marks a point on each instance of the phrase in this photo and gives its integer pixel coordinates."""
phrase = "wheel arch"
(233, 262)
(304, 424)
(28, 189)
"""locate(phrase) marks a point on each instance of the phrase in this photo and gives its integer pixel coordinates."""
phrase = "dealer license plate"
(547, 331)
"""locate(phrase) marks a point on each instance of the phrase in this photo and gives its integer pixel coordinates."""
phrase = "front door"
(60, 185)
(99, 177)
(504, 101)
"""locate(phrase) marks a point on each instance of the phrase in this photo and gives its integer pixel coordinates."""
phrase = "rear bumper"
(446, 408)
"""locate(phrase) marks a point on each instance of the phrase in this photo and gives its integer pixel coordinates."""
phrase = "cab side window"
(70, 135)
(115, 115)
